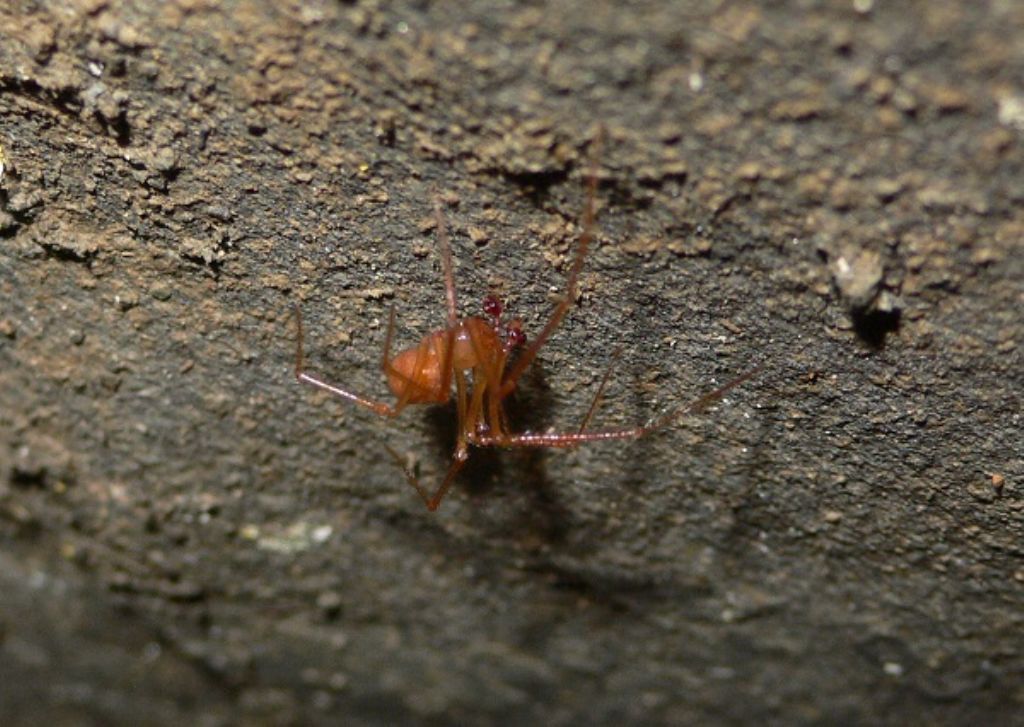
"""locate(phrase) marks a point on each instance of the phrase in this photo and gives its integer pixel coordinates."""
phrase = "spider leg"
(445, 249)
(432, 501)
(699, 405)
(508, 383)
(600, 390)
(389, 370)
(554, 440)
(385, 357)
(377, 407)
(557, 440)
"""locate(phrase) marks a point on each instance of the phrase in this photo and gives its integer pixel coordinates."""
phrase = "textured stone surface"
(189, 536)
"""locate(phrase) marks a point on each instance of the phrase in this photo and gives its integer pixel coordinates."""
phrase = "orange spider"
(423, 374)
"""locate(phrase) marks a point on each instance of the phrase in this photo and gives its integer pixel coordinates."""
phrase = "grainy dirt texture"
(832, 189)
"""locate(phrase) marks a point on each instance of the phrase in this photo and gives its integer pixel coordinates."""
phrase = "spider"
(477, 354)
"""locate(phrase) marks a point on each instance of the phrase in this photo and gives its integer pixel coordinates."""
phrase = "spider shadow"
(490, 469)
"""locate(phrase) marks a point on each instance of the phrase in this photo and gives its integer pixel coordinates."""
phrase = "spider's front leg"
(378, 407)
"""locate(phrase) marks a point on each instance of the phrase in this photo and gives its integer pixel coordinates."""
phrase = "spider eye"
(492, 306)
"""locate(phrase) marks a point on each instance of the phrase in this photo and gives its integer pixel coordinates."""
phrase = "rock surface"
(187, 536)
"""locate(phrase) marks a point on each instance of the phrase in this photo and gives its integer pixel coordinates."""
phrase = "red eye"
(492, 306)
